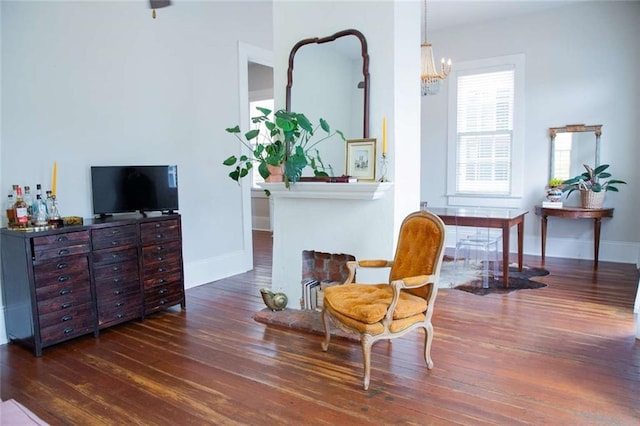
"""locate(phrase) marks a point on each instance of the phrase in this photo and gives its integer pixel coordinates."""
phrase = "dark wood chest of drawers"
(68, 282)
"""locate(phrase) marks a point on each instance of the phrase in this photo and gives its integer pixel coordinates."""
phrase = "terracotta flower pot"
(275, 173)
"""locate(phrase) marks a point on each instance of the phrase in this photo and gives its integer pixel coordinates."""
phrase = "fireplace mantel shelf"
(335, 191)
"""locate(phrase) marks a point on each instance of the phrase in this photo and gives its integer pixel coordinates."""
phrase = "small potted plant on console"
(592, 189)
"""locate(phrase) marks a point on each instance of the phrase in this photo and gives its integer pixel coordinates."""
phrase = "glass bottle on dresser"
(21, 210)
(39, 210)
(11, 215)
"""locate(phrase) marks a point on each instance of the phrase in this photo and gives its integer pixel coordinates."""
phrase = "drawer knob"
(62, 238)
(117, 280)
(114, 232)
(115, 268)
(117, 292)
(159, 248)
(115, 256)
(65, 305)
(159, 236)
(163, 291)
(65, 291)
(67, 318)
(161, 269)
(115, 242)
(68, 330)
(119, 304)
(63, 252)
(164, 301)
(119, 315)
(62, 265)
(160, 257)
(158, 225)
(162, 281)
(63, 278)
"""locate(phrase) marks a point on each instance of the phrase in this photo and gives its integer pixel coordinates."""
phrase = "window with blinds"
(484, 132)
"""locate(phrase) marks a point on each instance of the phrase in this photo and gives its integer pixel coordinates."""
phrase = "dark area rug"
(307, 320)
(517, 281)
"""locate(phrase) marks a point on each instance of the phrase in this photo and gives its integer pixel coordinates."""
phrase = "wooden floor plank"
(564, 354)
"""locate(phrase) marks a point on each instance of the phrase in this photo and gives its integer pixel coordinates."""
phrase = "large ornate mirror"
(328, 77)
(572, 146)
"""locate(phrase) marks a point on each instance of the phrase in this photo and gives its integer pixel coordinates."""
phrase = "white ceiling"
(444, 14)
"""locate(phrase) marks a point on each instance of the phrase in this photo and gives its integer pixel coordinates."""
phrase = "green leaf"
(612, 188)
(304, 123)
(341, 135)
(230, 161)
(233, 129)
(235, 175)
(263, 170)
(252, 134)
(264, 111)
(325, 125)
(604, 175)
(600, 169)
(243, 158)
(244, 172)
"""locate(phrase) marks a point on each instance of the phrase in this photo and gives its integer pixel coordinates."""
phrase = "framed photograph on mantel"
(361, 159)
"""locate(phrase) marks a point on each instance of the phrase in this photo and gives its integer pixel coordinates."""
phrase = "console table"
(488, 218)
(574, 213)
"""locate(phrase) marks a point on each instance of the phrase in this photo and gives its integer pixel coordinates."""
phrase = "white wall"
(97, 83)
(581, 67)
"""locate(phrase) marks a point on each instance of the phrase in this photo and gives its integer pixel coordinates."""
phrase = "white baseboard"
(261, 223)
(3, 329)
(216, 268)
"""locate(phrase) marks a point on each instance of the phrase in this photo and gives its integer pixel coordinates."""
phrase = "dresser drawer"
(60, 245)
(69, 315)
(161, 253)
(163, 296)
(106, 291)
(114, 237)
(77, 288)
(162, 278)
(71, 270)
(119, 311)
(64, 302)
(160, 231)
(116, 272)
(110, 256)
(62, 328)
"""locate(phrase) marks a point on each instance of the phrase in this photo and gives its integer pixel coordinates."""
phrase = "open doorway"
(260, 95)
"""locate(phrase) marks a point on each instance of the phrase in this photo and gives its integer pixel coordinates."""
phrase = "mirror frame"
(365, 69)
(573, 128)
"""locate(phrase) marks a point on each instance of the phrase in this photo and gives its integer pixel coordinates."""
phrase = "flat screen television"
(125, 189)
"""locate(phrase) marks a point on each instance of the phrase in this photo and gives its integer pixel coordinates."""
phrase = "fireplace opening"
(320, 270)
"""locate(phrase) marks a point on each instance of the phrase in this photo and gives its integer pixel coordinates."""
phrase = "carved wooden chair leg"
(327, 330)
(428, 337)
(367, 342)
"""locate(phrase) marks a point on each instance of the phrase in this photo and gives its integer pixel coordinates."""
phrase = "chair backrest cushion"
(420, 248)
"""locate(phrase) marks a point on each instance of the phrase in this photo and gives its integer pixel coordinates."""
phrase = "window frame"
(515, 192)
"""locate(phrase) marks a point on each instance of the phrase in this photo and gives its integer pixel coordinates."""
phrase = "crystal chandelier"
(431, 79)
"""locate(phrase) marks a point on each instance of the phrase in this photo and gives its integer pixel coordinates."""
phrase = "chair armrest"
(352, 265)
(417, 281)
(398, 285)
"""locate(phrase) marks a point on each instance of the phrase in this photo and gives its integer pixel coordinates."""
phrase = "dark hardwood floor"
(562, 355)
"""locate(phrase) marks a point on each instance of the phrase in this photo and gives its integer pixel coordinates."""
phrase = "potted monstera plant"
(593, 185)
(285, 147)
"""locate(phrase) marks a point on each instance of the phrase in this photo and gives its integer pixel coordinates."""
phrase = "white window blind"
(484, 130)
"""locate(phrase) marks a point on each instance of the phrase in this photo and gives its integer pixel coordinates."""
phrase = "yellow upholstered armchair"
(385, 311)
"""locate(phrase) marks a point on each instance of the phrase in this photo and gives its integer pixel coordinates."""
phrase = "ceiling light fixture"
(431, 79)
(157, 4)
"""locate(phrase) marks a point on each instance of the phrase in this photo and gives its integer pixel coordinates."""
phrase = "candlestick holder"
(383, 169)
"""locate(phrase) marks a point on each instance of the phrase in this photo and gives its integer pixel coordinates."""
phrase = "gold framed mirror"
(572, 146)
